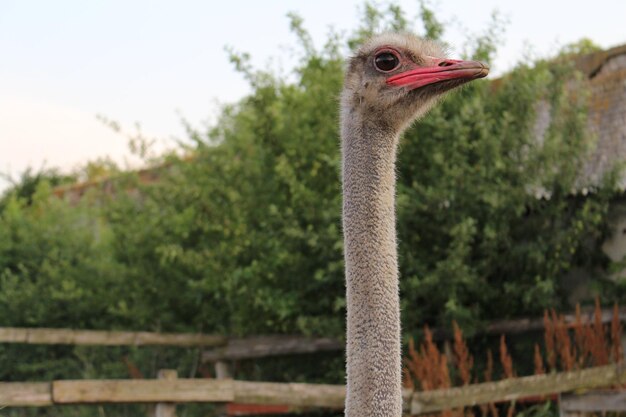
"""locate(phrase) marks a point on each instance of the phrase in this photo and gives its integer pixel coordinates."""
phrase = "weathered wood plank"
(29, 394)
(222, 370)
(232, 349)
(263, 346)
(513, 389)
(105, 338)
(166, 409)
(305, 395)
(524, 325)
(593, 402)
(140, 391)
(293, 394)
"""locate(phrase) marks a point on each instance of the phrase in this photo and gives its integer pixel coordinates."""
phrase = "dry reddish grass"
(428, 365)
(506, 360)
(581, 344)
(584, 343)
(133, 370)
(462, 359)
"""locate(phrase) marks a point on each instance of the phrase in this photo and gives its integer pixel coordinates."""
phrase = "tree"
(24, 187)
(487, 209)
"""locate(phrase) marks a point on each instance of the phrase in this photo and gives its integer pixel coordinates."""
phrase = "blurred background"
(174, 168)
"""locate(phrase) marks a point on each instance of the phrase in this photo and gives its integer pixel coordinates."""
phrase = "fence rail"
(592, 402)
(296, 394)
(244, 348)
(30, 394)
(222, 348)
(516, 388)
(263, 346)
(106, 338)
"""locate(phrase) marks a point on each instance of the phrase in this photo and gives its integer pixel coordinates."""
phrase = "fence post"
(563, 412)
(222, 371)
(166, 409)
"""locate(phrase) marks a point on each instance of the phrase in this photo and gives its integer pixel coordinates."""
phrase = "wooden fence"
(41, 336)
(593, 402)
(242, 348)
(169, 390)
(223, 348)
(296, 395)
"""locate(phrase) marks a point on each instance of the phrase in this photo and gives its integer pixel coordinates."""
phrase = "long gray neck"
(373, 324)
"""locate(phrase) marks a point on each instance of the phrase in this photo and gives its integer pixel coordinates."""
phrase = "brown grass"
(567, 346)
(133, 370)
(506, 360)
(427, 365)
(584, 342)
(549, 340)
(462, 359)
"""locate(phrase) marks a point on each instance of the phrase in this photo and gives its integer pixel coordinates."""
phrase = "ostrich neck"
(373, 323)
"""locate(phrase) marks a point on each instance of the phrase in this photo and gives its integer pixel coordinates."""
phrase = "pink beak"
(439, 70)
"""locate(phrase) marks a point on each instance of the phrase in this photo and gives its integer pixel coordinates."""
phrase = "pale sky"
(63, 62)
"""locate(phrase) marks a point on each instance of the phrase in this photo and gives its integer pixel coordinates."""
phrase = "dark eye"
(386, 61)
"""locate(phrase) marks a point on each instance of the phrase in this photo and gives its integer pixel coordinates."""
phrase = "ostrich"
(391, 81)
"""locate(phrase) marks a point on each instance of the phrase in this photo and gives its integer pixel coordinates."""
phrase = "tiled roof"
(606, 75)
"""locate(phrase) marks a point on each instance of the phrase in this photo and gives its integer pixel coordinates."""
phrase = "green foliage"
(24, 187)
(547, 409)
(432, 27)
(488, 218)
(582, 46)
(55, 263)
(55, 270)
(376, 19)
(257, 229)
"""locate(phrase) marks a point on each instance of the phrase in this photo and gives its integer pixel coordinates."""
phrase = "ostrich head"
(395, 78)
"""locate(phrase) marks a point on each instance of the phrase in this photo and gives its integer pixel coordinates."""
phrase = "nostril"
(445, 63)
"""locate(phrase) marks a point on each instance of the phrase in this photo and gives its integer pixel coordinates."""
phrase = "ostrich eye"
(386, 61)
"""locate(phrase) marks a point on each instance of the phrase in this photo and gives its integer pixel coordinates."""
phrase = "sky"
(65, 63)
